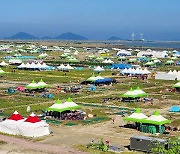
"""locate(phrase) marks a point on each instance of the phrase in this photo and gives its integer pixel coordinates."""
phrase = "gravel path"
(39, 147)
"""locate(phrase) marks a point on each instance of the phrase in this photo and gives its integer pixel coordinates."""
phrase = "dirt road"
(38, 147)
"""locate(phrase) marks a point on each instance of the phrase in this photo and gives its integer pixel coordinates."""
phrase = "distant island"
(64, 36)
(114, 38)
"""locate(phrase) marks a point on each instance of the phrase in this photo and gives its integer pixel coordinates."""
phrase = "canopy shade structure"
(134, 93)
(156, 119)
(1, 71)
(66, 106)
(169, 62)
(137, 116)
(42, 84)
(94, 78)
(32, 85)
(174, 108)
(149, 64)
(177, 85)
(139, 92)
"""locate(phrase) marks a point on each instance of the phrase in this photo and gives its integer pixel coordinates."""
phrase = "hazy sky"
(94, 19)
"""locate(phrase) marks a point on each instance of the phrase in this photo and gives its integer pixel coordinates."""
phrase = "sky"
(94, 19)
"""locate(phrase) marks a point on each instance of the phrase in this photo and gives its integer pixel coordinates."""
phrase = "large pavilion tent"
(156, 119)
(1, 71)
(10, 125)
(34, 127)
(137, 116)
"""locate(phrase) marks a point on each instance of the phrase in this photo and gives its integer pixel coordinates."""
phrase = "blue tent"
(121, 66)
(105, 80)
(174, 108)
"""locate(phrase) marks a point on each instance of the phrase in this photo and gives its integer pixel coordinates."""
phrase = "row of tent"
(137, 71)
(33, 66)
(171, 75)
(63, 67)
(30, 127)
(155, 119)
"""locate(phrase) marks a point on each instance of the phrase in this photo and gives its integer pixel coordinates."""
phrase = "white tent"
(10, 125)
(62, 67)
(3, 63)
(22, 66)
(15, 61)
(69, 67)
(99, 69)
(34, 127)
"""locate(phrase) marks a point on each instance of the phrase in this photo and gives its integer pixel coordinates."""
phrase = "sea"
(151, 44)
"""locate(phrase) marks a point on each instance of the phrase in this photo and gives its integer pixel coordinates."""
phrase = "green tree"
(174, 147)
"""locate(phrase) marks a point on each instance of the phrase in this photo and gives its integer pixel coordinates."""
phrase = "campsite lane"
(40, 147)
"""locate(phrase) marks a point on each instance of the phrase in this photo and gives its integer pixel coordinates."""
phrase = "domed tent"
(137, 116)
(174, 108)
(34, 127)
(10, 125)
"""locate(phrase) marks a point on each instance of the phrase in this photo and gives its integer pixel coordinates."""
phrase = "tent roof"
(156, 119)
(137, 116)
(15, 116)
(32, 118)
(174, 108)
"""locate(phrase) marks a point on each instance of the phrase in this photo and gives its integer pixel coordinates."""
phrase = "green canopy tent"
(156, 119)
(42, 84)
(140, 93)
(60, 109)
(137, 116)
(133, 95)
(169, 62)
(149, 64)
(32, 85)
(177, 86)
(1, 71)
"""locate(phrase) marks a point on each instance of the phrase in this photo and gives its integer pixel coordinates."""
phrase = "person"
(113, 120)
(151, 101)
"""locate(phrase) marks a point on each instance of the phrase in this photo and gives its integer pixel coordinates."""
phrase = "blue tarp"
(104, 80)
(174, 108)
(121, 66)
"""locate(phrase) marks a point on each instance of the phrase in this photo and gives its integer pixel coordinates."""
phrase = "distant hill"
(70, 36)
(22, 36)
(114, 38)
